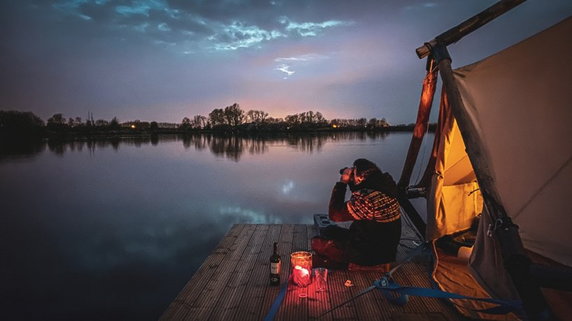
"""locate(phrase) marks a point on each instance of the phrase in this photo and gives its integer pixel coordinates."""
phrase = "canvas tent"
(502, 149)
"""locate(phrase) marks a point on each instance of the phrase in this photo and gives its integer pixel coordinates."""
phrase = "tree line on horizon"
(231, 118)
(234, 117)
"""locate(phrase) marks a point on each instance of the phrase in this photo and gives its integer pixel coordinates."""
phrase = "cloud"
(305, 57)
(421, 6)
(197, 26)
(285, 69)
(286, 63)
(239, 35)
(144, 7)
(163, 27)
(311, 29)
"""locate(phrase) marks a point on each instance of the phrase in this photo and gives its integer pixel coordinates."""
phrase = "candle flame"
(303, 271)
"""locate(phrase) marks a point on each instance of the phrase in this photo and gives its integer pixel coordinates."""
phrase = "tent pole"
(411, 212)
(516, 261)
(421, 124)
(464, 28)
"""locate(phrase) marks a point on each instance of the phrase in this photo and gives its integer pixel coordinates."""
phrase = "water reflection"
(20, 149)
(112, 229)
(231, 147)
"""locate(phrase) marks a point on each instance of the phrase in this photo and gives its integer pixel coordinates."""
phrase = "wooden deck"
(232, 283)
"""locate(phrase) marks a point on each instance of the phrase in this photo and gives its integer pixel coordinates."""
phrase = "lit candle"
(301, 263)
(301, 276)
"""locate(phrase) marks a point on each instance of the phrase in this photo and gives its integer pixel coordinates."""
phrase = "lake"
(113, 229)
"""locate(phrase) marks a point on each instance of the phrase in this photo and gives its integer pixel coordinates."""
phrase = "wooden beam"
(421, 125)
(466, 27)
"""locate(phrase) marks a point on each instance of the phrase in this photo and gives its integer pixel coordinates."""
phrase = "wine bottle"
(275, 263)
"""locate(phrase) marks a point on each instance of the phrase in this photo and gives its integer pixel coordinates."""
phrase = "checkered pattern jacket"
(369, 204)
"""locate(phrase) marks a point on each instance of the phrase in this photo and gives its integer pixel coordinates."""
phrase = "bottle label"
(275, 268)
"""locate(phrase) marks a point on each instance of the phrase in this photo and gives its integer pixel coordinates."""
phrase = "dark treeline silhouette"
(231, 119)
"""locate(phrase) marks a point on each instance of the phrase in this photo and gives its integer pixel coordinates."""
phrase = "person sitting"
(375, 232)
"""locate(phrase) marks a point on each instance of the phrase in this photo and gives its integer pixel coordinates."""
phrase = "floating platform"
(233, 282)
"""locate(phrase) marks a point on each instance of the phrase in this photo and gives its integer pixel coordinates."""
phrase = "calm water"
(113, 230)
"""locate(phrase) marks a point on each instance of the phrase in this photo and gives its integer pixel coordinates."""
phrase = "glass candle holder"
(301, 263)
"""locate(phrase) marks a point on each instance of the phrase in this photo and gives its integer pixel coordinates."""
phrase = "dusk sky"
(166, 59)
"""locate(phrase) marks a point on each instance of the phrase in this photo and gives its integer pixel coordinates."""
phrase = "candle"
(301, 276)
(301, 263)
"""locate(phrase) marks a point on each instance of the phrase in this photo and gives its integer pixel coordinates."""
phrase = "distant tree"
(21, 123)
(57, 121)
(217, 117)
(372, 123)
(256, 116)
(199, 121)
(292, 120)
(114, 123)
(361, 122)
(319, 118)
(272, 120)
(101, 123)
(185, 123)
(375, 123)
(233, 115)
(71, 122)
(153, 125)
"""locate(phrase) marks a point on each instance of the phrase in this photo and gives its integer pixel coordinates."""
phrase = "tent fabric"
(518, 102)
(454, 198)
(518, 99)
(451, 275)
(486, 263)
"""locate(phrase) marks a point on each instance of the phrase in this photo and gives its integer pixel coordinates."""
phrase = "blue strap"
(399, 295)
(277, 302)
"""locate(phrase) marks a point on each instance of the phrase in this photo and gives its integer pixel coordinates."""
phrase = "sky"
(162, 60)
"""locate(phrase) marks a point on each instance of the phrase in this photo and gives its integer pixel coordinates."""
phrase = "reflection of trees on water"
(233, 146)
(230, 147)
(227, 146)
(20, 149)
(307, 143)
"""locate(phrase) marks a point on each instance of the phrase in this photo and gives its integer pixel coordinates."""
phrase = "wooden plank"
(253, 297)
(295, 305)
(233, 284)
(229, 300)
(318, 302)
(178, 307)
(371, 306)
(339, 293)
(284, 249)
(206, 297)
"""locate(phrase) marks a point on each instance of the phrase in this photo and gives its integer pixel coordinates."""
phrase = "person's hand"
(346, 175)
